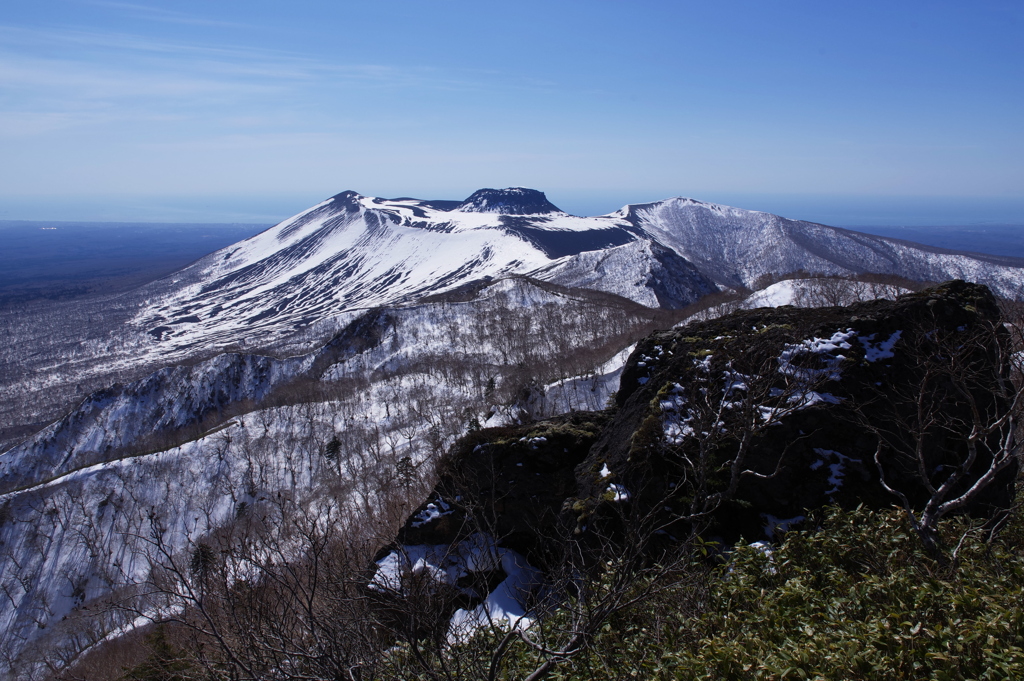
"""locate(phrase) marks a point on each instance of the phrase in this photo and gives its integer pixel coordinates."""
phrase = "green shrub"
(855, 598)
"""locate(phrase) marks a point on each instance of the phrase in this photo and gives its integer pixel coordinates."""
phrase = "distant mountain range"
(354, 252)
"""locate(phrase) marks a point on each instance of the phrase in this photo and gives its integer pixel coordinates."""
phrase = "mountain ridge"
(356, 252)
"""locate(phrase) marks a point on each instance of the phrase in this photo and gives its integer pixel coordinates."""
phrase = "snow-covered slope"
(734, 247)
(354, 252)
(820, 292)
(124, 416)
(292, 285)
(181, 451)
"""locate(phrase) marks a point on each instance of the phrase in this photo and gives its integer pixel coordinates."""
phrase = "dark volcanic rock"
(805, 394)
(829, 374)
(503, 486)
(515, 480)
(510, 201)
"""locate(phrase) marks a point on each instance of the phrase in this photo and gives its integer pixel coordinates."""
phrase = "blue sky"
(848, 113)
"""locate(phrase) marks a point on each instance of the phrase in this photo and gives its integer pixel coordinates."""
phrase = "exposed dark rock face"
(514, 480)
(817, 380)
(560, 243)
(504, 488)
(509, 201)
(829, 375)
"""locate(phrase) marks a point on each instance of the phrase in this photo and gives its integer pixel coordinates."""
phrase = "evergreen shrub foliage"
(856, 597)
(860, 599)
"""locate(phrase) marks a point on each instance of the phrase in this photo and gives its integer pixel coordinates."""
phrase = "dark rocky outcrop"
(820, 387)
(863, 366)
(509, 201)
(515, 479)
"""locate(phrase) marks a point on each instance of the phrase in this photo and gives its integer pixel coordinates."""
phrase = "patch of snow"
(837, 468)
(734, 381)
(619, 493)
(676, 418)
(504, 606)
(786, 292)
(775, 527)
(589, 392)
(880, 350)
(765, 549)
(432, 512)
(824, 348)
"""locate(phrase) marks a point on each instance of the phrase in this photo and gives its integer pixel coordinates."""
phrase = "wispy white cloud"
(49, 94)
(160, 14)
(107, 47)
(70, 79)
(60, 78)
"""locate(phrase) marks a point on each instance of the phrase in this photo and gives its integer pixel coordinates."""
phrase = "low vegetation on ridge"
(853, 597)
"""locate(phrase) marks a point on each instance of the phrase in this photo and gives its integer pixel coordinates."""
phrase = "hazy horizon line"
(836, 210)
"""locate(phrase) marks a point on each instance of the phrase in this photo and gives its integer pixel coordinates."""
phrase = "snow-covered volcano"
(354, 252)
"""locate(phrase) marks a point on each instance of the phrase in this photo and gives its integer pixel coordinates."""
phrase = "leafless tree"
(619, 564)
(717, 415)
(948, 435)
(834, 291)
